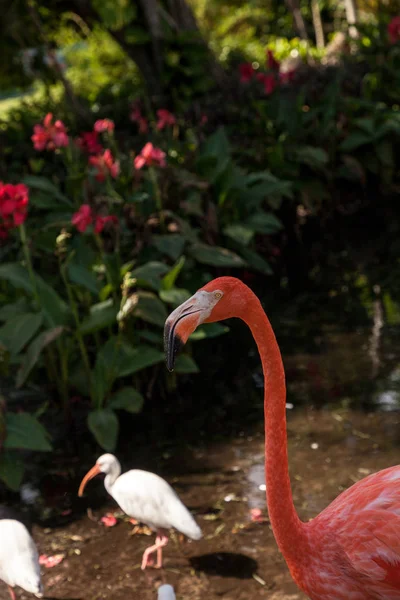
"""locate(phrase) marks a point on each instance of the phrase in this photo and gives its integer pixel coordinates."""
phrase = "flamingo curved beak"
(89, 475)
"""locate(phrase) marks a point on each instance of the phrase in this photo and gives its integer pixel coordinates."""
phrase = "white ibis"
(19, 559)
(147, 498)
(166, 592)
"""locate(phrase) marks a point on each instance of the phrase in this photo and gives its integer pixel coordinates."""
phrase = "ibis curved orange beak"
(89, 475)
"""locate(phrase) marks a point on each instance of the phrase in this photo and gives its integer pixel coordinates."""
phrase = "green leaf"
(175, 296)
(355, 140)
(127, 398)
(263, 222)
(104, 426)
(217, 145)
(16, 309)
(34, 351)
(17, 332)
(15, 274)
(255, 261)
(215, 256)
(150, 309)
(239, 233)
(209, 331)
(45, 185)
(106, 368)
(150, 274)
(115, 14)
(54, 308)
(168, 281)
(82, 276)
(185, 364)
(24, 431)
(172, 245)
(136, 359)
(311, 156)
(11, 469)
(102, 314)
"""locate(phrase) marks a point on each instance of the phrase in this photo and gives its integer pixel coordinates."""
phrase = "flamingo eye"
(217, 295)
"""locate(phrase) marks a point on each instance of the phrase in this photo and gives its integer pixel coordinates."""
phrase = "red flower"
(165, 119)
(105, 165)
(104, 125)
(13, 205)
(268, 81)
(49, 136)
(287, 76)
(89, 142)
(272, 63)
(137, 117)
(100, 222)
(394, 30)
(203, 120)
(150, 156)
(246, 72)
(82, 218)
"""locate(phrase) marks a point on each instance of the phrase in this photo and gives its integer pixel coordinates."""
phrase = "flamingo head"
(106, 463)
(221, 298)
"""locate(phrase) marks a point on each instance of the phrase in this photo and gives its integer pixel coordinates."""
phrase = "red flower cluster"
(13, 206)
(268, 80)
(394, 30)
(84, 217)
(104, 125)
(165, 119)
(137, 117)
(105, 165)
(150, 156)
(89, 142)
(246, 72)
(49, 136)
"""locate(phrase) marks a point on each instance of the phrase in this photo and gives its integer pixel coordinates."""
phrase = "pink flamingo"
(350, 551)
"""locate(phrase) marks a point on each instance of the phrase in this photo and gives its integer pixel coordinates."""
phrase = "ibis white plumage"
(147, 498)
(19, 558)
(166, 592)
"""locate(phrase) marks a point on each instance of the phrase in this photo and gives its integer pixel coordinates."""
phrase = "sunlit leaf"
(169, 279)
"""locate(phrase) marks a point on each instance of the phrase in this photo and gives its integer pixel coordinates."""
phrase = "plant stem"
(27, 254)
(157, 194)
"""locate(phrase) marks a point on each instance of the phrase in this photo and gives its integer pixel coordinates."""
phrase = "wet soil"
(237, 559)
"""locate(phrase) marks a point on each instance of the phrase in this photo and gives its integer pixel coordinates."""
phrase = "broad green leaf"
(34, 351)
(11, 469)
(150, 309)
(217, 145)
(15, 274)
(185, 364)
(115, 14)
(127, 398)
(175, 296)
(210, 330)
(17, 332)
(263, 222)
(215, 256)
(169, 279)
(171, 245)
(54, 308)
(138, 358)
(16, 309)
(24, 431)
(150, 274)
(239, 233)
(45, 185)
(106, 368)
(356, 140)
(256, 261)
(101, 315)
(84, 277)
(104, 426)
(151, 336)
(312, 156)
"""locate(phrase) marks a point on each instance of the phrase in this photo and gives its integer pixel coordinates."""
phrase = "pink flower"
(89, 142)
(49, 136)
(394, 30)
(256, 515)
(105, 165)
(287, 76)
(268, 81)
(14, 201)
(100, 222)
(109, 520)
(50, 561)
(137, 117)
(203, 120)
(165, 119)
(104, 125)
(150, 156)
(246, 72)
(272, 63)
(82, 218)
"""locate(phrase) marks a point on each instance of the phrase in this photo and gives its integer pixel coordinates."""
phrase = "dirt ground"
(237, 559)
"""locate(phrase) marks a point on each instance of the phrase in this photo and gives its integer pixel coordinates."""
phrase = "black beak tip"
(172, 345)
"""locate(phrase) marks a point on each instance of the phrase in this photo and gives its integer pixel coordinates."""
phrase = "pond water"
(343, 423)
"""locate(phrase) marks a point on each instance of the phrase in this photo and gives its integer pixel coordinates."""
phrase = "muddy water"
(331, 446)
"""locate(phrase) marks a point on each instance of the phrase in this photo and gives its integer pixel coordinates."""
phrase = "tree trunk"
(317, 22)
(294, 8)
(351, 16)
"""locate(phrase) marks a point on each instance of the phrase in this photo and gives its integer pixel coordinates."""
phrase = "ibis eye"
(217, 295)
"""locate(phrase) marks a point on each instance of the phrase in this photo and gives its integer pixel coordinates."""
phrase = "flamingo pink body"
(351, 551)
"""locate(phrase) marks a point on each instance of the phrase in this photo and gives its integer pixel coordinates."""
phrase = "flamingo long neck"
(112, 476)
(287, 527)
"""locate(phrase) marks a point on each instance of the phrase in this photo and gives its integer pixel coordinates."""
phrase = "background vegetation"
(148, 146)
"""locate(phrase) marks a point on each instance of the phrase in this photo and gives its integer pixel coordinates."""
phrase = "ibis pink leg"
(12, 593)
(161, 541)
